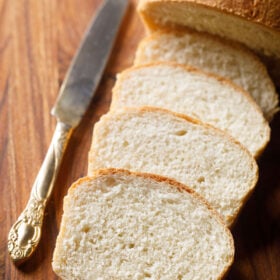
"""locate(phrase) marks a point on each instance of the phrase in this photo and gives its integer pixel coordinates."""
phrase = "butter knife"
(75, 95)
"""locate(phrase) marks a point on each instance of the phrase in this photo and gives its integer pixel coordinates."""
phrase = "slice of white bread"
(158, 141)
(253, 23)
(123, 225)
(194, 93)
(215, 56)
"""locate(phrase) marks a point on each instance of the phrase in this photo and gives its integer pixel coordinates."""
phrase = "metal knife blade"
(74, 98)
(87, 66)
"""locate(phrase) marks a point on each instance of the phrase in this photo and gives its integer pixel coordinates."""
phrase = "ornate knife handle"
(25, 234)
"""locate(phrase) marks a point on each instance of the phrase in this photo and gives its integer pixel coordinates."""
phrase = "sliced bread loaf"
(172, 145)
(191, 92)
(253, 23)
(215, 56)
(123, 225)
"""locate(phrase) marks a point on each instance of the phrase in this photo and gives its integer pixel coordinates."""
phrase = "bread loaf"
(255, 24)
(123, 225)
(164, 143)
(215, 56)
(191, 92)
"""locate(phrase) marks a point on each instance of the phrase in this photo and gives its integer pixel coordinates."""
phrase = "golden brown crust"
(259, 15)
(262, 12)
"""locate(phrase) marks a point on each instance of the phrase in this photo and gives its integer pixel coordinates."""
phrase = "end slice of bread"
(188, 91)
(161, 142)
(123, 225)
(253, 23)
(216, 56)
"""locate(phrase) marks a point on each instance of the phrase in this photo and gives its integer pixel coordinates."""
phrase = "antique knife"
(74, 98)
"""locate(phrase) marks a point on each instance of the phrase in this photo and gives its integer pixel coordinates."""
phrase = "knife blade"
(86, 69)
(74, 97)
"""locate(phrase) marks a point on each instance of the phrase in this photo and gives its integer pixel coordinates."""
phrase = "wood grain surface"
(37, 41)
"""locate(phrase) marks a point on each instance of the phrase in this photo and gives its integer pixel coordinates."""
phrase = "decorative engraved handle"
(25, 234)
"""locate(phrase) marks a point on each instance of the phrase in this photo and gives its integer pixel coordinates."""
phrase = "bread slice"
(215, 56)
(161, 142)
(253, 23)
(191, 92)
(123, 225)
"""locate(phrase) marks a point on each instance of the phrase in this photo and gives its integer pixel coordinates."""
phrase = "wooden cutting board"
(37, 42)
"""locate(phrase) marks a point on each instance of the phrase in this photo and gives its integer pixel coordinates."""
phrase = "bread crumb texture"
(160, 142)
(208, 98)
(119, 226)
(212, 55)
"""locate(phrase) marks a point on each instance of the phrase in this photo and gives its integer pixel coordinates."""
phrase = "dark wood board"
(37, 42)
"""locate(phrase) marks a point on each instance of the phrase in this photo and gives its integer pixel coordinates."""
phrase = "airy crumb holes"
(181, 133)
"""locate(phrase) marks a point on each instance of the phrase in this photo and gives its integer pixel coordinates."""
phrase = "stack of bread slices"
(174, 160)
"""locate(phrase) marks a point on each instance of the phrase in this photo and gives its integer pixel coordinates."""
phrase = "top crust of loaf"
(255, 25)
(119, 173)
(266, 13)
